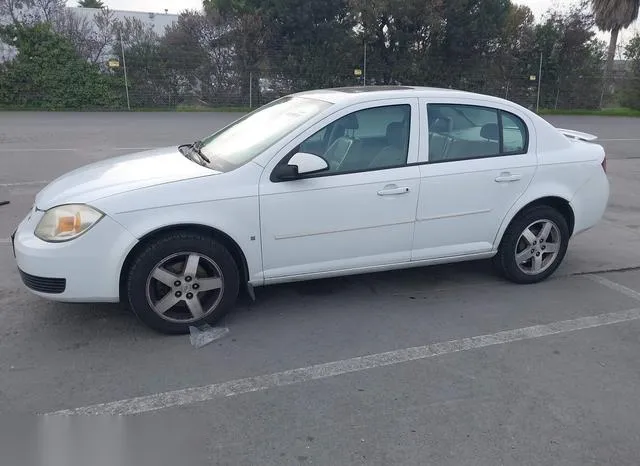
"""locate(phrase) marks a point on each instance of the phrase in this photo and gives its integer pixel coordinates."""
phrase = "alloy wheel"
(185, 287)
(538, 247)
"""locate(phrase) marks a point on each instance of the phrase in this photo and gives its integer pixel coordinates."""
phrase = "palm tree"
(614, 15)
(90, 4)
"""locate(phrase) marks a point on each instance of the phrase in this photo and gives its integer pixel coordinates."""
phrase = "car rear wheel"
(533, 246)
(182, 280)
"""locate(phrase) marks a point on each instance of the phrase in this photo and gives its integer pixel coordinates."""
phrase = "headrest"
(490, 131)
(349, 122)
(395, 133)
(440, 125)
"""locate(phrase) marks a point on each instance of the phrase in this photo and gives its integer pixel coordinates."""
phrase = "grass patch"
(192, 108)
(617, 112)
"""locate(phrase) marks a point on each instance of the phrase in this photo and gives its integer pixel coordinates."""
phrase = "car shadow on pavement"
(366, 288)
(74, 323)
(419, 278)
(96, 321)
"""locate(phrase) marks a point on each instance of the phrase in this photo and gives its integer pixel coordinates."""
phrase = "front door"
(479, 161)
(357, 214)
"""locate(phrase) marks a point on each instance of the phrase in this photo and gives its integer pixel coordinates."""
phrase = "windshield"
(249, 136)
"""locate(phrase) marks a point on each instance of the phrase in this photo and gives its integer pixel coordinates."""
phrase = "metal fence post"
(364, 71)
(250, 89)
(126, 80)
(539, 85)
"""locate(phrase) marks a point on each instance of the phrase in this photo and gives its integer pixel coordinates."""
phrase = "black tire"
(173, 244)
(505, 261)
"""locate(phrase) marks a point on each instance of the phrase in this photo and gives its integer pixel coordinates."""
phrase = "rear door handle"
(506, 177)
(393, 190)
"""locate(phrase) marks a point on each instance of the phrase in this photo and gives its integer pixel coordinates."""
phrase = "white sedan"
(316, 184)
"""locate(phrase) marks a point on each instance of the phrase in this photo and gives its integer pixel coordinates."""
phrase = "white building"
(158, 21)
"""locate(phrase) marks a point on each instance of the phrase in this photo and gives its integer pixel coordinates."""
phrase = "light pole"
(364, 68)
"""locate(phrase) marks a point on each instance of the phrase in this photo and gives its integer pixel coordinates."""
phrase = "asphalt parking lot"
(442, 365)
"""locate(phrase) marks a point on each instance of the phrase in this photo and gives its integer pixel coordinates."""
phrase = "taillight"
(604, 163)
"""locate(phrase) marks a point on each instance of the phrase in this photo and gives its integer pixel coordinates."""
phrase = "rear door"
(477, 160)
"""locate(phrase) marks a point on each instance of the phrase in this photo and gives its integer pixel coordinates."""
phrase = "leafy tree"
(463, 45)
(572, 58)
(90, 4)
(198, 61)
(303, 35)
(509, 61)
(48, 73)
(398, 38)
(291, 40)
(145, 73)
(631, 92)
(613, 16)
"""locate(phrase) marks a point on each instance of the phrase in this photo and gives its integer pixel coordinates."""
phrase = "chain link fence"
(192, 90)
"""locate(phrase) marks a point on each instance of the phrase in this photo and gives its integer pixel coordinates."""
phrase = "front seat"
(394, 154)
(340, 146)
(439, 130)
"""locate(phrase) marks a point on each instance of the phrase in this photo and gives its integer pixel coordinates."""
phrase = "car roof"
(365, 93)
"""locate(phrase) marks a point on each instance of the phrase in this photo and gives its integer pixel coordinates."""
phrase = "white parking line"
(23, 183)
(4, 149)
(618, 140)
(189, 396)
(615, 286)
(5, 240)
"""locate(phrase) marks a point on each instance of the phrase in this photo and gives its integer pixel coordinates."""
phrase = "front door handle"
(393, 190)
(507, 177)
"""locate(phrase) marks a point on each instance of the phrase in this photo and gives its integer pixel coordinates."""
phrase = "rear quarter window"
(514, 134)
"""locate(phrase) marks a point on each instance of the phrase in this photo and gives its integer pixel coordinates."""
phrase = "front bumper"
(86, 269)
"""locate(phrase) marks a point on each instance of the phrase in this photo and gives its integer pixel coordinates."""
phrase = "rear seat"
(459, 149)
(443, 148)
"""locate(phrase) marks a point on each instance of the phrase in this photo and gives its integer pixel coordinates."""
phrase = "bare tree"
(12, 10)
(30, 11)
(104, 38)
(46, 10)
(92, 38)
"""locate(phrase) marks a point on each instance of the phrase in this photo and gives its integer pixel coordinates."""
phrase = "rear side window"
(462, 132)
(514, 134)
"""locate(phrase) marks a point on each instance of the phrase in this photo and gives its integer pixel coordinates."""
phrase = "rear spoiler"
(577, 135)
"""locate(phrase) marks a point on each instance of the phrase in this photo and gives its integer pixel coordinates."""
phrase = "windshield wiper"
(197, 148)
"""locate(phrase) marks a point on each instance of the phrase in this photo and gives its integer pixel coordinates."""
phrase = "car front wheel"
(533, 246)
(182, 280)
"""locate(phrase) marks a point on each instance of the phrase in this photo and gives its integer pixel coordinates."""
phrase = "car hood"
(118, 175)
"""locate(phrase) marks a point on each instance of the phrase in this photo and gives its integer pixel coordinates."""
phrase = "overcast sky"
(175, 6)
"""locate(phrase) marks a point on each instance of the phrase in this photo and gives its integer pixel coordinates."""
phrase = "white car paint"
(311, 228)
(325, 242)
(120, 174)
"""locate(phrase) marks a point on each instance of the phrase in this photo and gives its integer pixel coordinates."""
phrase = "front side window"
(460, 132)
(370, 139)
(251, 135)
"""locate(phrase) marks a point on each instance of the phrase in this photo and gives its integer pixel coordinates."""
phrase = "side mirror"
(302, 163)
(308, 163)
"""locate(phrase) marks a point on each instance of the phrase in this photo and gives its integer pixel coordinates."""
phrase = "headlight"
(66, 222)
